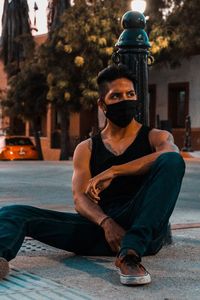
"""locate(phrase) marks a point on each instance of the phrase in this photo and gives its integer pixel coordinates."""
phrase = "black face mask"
(121, 113)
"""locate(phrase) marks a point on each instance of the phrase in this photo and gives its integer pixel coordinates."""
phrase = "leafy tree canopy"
(176, 33)
(79, 49)
(26, 95)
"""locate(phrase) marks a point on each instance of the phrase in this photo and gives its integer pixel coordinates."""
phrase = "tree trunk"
(65, 142)
(37, 140)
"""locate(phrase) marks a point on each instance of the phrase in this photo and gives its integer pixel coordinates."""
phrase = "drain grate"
(31, 245)
(24, 286)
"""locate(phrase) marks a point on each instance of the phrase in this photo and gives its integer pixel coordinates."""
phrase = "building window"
(57, 119)
(178, 103)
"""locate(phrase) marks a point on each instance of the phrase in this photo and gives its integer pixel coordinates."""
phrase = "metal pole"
(133, 45)
(188, 136)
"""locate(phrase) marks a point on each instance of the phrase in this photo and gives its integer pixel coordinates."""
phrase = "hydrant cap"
(133, 19)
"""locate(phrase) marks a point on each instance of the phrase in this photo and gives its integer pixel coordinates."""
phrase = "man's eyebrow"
(119, 92)
(115, 92)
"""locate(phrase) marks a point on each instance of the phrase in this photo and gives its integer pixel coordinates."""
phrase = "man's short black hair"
(112, 73)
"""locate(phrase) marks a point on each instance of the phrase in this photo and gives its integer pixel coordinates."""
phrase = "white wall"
(189, 71)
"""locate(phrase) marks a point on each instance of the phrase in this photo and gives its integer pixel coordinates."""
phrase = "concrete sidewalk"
(175, 272)
(57, 274)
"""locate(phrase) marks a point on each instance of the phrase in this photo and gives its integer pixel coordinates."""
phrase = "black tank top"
(122, 188)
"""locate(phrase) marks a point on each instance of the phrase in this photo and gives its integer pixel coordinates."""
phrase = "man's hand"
(99, 183)
(113, 234)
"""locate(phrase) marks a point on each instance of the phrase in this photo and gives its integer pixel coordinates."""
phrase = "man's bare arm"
(83, 204)
(81, 176)
(161, 141)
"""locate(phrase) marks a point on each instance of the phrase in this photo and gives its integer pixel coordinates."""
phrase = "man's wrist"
(103, 220)
(115, 171)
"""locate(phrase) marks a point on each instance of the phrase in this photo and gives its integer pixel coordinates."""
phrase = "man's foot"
(4, 268)
(130, 270)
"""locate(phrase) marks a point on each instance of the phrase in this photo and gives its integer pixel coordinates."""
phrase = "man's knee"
(172, 161)
(14, 209)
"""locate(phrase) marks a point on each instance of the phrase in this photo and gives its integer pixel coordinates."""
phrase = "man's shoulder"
(159, 135)
(84, 145)
(82, 154)
(158, 132)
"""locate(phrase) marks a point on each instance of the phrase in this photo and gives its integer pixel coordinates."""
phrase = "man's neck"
(116, 132)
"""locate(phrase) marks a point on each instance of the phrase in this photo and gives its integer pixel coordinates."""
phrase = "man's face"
(119, 90)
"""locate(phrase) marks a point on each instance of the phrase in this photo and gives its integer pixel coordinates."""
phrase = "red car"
(17, 148)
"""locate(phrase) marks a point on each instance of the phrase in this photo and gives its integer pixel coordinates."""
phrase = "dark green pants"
(145, 218)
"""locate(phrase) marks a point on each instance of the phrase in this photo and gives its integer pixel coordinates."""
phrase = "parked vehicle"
(17, 148)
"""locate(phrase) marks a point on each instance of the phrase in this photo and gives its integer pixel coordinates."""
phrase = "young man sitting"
(125, 184)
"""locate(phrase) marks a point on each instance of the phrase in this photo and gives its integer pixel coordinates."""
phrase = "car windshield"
(18, 142)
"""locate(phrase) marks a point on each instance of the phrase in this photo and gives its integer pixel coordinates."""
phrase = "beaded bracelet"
(104, 219)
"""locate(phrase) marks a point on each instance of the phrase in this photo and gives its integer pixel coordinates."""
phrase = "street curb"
(185, 226)
(190, 156)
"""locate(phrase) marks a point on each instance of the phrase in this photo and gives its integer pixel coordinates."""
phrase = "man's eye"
(131, 94)
(115, 96)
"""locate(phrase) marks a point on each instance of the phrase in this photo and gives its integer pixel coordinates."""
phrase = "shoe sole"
(134, 280)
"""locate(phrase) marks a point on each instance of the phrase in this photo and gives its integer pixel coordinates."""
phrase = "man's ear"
(101, 104)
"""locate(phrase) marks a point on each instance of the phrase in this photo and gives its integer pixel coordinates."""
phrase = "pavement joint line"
(185, 226)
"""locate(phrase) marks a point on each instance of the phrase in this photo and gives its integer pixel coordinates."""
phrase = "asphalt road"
(44, 184)
(48, 184)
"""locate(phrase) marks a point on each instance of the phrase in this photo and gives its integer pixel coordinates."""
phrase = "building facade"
(174, 94)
